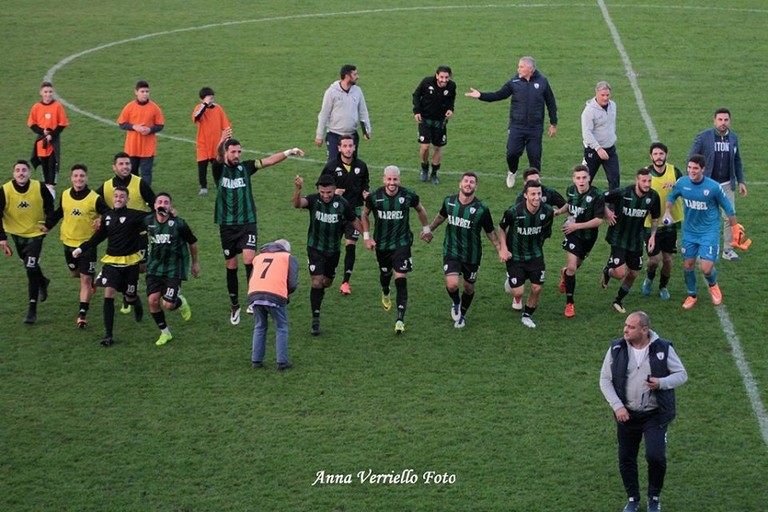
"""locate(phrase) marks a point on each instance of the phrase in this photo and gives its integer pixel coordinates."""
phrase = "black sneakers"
(633, 505)
(284, 366)
(316, 331)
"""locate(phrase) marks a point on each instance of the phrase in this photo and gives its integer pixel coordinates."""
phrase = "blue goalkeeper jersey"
(701, 206)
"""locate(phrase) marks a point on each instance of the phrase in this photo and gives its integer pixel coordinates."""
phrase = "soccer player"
(142, 195)
(342, 110)
(329, 213)
(585, 208)
(530, 92)
(722, 154)
(122, 227)
(702, 200)
(393, 238)
(142, 119)
(235, 210)
(24, 203)
(211, 121)
(629, 208)
(663, 178)
(80, 210)
(353, 183)
(549, 195)
(467, 218)
(433, 103)
(171, 246)
(524, 227)
(598, 131)
(47, 118)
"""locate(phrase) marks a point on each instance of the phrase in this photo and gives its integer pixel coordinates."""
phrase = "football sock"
(651, 274)
(159, 319)
(34, 278)
(349, 261)
(529, 310)
(232, 285)
(454, 295)
(425, 166)
(385, 279)
(663, 281)
(316, 300)
(466, 301)
(401, 285)
(83, 309)
(248, 272)
(435, 168)
(109, 315)
(623, 292)
(690, 281)
(712, 277)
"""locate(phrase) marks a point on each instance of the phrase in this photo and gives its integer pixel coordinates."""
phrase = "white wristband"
(366, 235)
(426, 229)
(287, 153)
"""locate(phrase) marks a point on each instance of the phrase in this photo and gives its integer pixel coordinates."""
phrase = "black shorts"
(167, 286)
(398, 260)
(633, 260)
(433, 132)
(123, 279)
(454, 266)
(321, 263)
(29, 249)
(520, 271)
(350, 233)
(236, 238)
(85, 264)
(577, 246)
(666, 241)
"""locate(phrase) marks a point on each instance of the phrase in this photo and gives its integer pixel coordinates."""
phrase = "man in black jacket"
(530, 92)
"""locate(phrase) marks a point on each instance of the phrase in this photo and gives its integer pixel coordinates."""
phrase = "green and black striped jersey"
(326, 222)
(585, 207)
(527, 231)
(464, 226)
(168, 253)
(391, 217)
(631, 210)
(234, 195)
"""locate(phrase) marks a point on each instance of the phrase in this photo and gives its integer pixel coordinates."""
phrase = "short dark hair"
(142, 84)
(722, 110)
(579, 168)
(120, 154)
(659, 145)
(444, 69)
(325, 180)
(346, 69)
(699, 160)
(346, 137)
(469, 174)
(46, 84)
(531, 184)
(122, 189)
(529, 171)
(206, 91)
(22, 162)
(82, 167)
(166, 194)
(231, 142)
(643, 171)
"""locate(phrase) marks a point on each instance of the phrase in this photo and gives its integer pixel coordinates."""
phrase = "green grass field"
(513, 417)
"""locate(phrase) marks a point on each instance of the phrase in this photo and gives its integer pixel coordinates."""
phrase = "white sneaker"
(510, 179)
(249, 310)
(517, 303)
(234, 316)
(528, 322)
(460, 323)
(730, 255)
(203, 192)
(456, 312)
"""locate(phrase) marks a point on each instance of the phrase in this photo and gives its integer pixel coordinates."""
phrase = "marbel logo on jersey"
(24, 205)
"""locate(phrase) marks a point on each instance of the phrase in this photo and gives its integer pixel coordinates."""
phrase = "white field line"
(753, 393)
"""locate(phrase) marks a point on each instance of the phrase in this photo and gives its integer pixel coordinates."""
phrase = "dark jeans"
(629, 435)
(143, 164)
(611, 166)
(522, 138)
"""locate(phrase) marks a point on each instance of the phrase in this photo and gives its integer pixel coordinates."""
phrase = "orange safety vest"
(270, 274)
